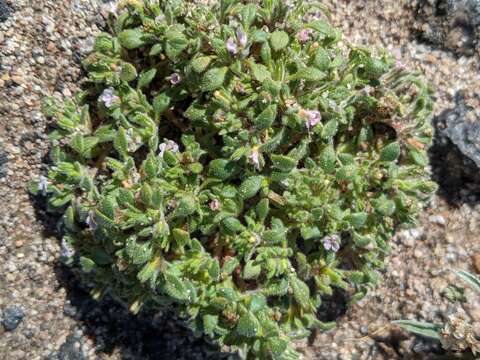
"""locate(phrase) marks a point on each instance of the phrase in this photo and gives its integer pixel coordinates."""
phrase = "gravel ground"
(49, 317)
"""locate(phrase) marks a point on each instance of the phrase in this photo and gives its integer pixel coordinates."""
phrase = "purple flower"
(67, 250)
(312, 117)
(90, 221)
(241, 37)
(304, 35)
(175, 78)
(108, 97)
(43, 185)
(214, 205)
(168, 145)
(255, 159)
(399, 65)
(331, 242)
(231, 46)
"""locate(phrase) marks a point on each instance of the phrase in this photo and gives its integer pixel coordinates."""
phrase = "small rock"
(437, 219)
(5, 11)
(71, 349)
(12, 316)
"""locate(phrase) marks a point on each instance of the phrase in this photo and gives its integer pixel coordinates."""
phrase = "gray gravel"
(41, 44)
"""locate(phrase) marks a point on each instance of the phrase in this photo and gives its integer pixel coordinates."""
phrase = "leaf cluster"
(233, 161)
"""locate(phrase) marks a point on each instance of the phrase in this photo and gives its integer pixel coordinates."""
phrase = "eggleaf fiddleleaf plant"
(237, 163)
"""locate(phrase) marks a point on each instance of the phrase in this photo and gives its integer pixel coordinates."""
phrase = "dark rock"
(12, 316)
(450, 24)
(3, 161)
(5, 11)
(69, 310)
(465, 134)
(71, 349)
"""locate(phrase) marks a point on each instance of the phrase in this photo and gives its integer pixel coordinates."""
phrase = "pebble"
(12, 317)
(437, 219)
(72, 349)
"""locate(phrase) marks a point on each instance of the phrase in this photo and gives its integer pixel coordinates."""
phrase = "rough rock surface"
(451, 24)
(41, 43)
(461, 128)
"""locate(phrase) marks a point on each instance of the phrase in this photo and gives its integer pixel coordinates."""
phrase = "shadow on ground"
(456, 174)
(112, 327)
(163, 336)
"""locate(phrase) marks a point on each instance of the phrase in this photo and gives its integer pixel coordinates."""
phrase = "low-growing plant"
(236, 162)
(457, 333)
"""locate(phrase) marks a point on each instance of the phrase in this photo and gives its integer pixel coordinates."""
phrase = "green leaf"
(283, 163)
(214, 79)
(200, 64)
(181, 237)
(266, 118)
(131, 38)
(248, 14)
(128, 72)
(357, 220)
(262, 209)
(250, 187)
(120, 143)
(328, 159)
(175, 288)
(196, 112)
(322, 60)
(420, 328)
(251, 271)
(221, 168)
(329, 129)
(161, 103)
(391, 152)
(309, 74)
(88, 265)
(322, 27)
(259, 71)
(275, 347)
(155, 50)
(210, 323)
(301, 292)
(248, 325)
(384, 206)
(470, 279)
(146, 78)
(230, 265)
(232, 225)
(279, 40)
(175, 44)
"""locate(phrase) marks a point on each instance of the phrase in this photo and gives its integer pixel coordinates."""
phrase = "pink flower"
(231, 46)
(255, 159)
(214, 205)
(331, 242)
(241, 37)
(167, 145)
(108, 97)
(312, 117)
(175, 78)
(304, 35)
